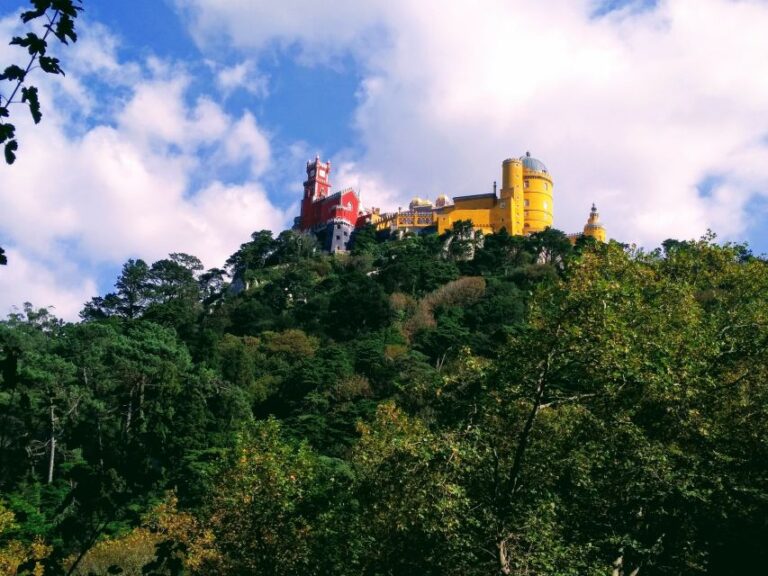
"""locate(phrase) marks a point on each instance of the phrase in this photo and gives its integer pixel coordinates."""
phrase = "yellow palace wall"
(525, 205)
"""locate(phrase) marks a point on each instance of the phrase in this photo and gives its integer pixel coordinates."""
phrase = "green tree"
(212, 285)
(365, 242)
(414, 266)
(252, 255)
(174, 293)
(292, 246)
(501, 254)
(414, 512)
(461, 241)
(134, 290)
(622, 363)
(41, 383)
(359, 305)
(175, 278)
(273, 491)
(550, 247)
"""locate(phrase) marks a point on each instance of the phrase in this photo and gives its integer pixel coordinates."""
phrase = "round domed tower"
(537, 194)
(441, 201)
(594, 228)
(419, 203)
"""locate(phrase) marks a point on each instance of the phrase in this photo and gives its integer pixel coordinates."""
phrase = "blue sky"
(184, 125)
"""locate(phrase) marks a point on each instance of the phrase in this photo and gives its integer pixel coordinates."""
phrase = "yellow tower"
(523, 205)
(537, 194)
(509, 213)
(594, 228)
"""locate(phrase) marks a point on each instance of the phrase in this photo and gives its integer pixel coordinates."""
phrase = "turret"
(318, 181)
(594, 228)
(537, 187)
(511, 216)
(316, 187)
(511, 175)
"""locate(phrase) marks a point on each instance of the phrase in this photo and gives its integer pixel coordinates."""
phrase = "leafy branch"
(60, 16)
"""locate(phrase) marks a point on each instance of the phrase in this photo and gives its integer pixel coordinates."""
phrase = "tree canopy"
(521, 406)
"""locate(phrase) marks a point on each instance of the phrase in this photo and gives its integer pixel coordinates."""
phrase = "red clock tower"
(336, 213)
(318, 181)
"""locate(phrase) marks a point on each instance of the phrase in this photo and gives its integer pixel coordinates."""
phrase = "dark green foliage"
(365, 241)
(252, 255)
(33, 43)
(357, 306)
(10, 150)
(13, 73)
(29, 95)
(414, 266)
(535, 408)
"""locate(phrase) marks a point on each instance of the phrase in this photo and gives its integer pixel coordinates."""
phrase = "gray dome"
(530, 163)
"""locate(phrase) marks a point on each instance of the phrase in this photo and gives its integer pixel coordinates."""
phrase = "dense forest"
(421, 406)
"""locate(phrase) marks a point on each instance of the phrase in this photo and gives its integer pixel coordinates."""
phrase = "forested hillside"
(417, 407)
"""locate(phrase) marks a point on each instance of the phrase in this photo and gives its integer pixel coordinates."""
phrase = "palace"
(524, 205)
(333, 217)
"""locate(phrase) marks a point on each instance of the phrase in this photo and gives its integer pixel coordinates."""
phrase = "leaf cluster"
(59, 17)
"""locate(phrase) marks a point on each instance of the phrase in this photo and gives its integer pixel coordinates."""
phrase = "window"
(546, 185)
(338, 237)
(527, 203)
(338, 227)
(526, 183)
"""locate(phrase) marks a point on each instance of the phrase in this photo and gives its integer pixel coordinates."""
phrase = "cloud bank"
(639, 109)
(126, 164)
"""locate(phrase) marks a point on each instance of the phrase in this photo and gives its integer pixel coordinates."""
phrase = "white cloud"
(242, 76)
(246, 141)
(322, 30)
(632, 110)
(127, 190)
(161, 173)
(24, 280)
(372, 187)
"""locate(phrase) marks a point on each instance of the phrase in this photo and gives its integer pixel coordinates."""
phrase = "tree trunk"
(142, 385)
(52, 458)
(618, 568)
(128, 416)
(503, 559)
(101, 445)
(517, 462)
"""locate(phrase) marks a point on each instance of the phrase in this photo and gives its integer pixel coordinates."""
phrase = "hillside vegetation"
(417, 407)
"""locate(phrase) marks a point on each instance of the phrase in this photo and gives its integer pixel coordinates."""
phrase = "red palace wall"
(318, 208)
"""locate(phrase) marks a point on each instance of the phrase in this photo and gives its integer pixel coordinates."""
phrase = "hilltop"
(454, 404)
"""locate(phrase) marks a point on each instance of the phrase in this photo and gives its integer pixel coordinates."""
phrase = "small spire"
(594, 208)
(528, 154)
